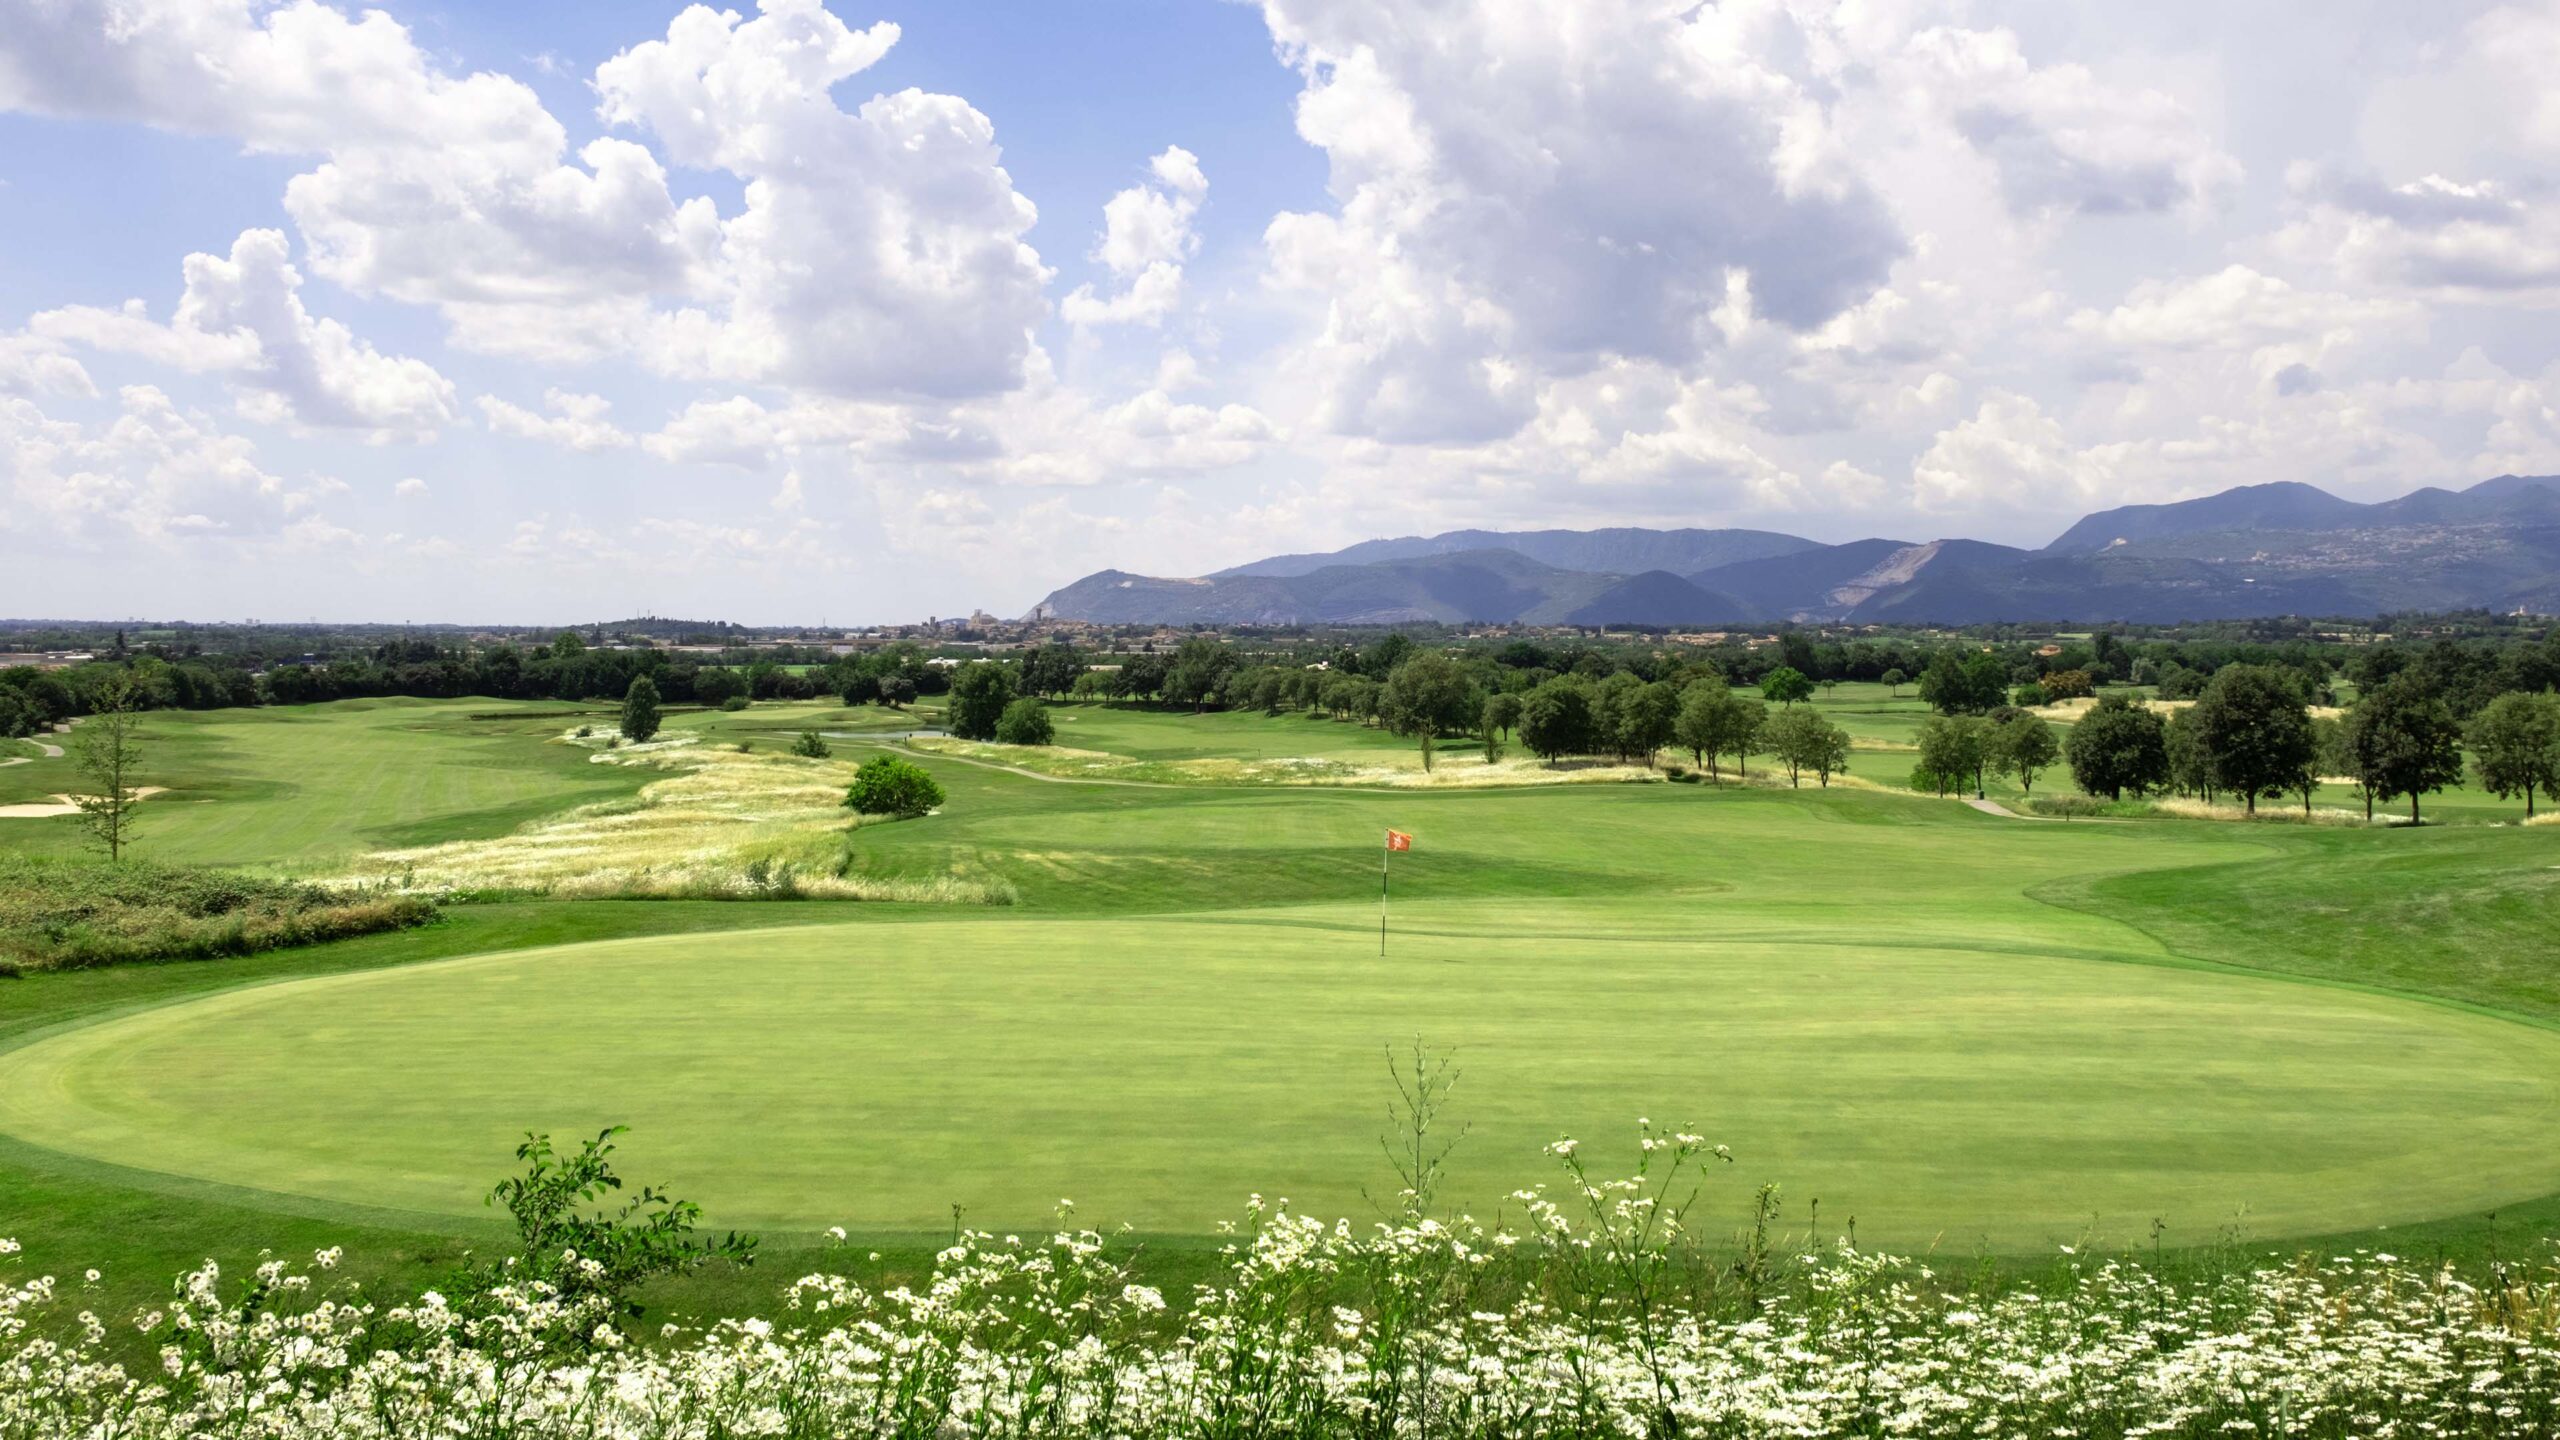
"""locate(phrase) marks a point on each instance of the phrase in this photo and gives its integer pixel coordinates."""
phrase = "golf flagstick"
(1396, 840)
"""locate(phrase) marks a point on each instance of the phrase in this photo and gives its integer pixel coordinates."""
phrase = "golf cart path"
(51, 752)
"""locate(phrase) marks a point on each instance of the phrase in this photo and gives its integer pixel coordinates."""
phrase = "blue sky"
(463, 311)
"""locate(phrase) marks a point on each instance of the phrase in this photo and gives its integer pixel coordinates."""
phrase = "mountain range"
(2258, 550)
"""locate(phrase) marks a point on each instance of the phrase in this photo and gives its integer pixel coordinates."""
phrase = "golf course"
(1950, 1028)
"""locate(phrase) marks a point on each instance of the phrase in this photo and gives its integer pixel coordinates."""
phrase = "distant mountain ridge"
(2258, 550)
(1621, 551)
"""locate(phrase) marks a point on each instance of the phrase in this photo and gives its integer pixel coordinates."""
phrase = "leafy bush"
(67, 915)
(591, 1258)
(1025, 722)
(735, 703)
(811, 746)
(887, 785)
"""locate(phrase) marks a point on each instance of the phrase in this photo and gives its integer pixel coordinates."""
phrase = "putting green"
(874, 1074)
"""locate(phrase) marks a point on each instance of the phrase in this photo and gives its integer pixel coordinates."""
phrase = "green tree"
(2515, 746)
(887, 785)
(1954, 749)
(1693, 729)
(2255, 731)
(1964, 683)
(1555, 720)
(1802, 740)
(811, 746)
(2190, 766)
(1501, 715)
(979, 692)
(2403, 740)
(1199, 666)
(1894, 680)
(1785, 686)
(106, 747)
(640, 710)
(1025, 722)
(1427, 695)
(566, 646)
(2118, 746)
(2023, 746)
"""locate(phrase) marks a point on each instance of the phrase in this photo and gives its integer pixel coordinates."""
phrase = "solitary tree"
(1786, 685)
(107, 749)
(640, 710)
(1501, 715)
(2515, 745)
(2023, 746)
(1894, 680)
(2117, 746)
(887, 785)
(1025, 722)
(2255, 732)
(2403, 740)
(979, 693)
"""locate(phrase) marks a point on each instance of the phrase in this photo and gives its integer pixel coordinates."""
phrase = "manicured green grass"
(281, 786)
(1157, 1072)
(1977, 1032)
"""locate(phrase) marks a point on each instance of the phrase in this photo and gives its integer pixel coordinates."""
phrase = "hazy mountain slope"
(1620, 551)
(1481, 585)
(2258, 550)
(1805, 584)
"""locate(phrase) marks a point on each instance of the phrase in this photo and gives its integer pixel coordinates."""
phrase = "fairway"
(875, 1075)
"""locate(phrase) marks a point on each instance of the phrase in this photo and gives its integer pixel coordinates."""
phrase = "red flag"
(1398, 840)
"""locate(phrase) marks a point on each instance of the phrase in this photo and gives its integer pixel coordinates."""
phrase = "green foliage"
(1025, 722)
(1501, 714)
(2515, 746)
(2023, 746)
(2027, 697)
(2069, 684)
(64, 915)
(1802, 740)
(735, 703)
(2254, 730)
(2402, 740)
(1555, 720)
(106, 748)
(640, 711)
(1785, 686)
(1426, 696)
(811, 746)
(980, 691)
(1964, 683)
(1714, 722)
(2116, 747)
(1954, 752)
(887, 785)
(600, 1256)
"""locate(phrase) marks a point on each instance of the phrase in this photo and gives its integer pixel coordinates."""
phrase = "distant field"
(1964, 1029)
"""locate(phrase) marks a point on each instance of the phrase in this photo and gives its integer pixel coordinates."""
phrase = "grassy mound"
(67, 915)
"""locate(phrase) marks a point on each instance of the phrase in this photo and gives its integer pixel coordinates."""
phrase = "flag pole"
(1386, 847)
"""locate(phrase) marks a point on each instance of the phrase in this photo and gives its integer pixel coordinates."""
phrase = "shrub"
(64, 915)
(735, 703)
(640, 711)
(811, 746)
(887, 785)
(1025, 722)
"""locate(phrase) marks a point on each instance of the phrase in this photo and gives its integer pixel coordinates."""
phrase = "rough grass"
(718, 823)
(1457, 765)
(67, 915)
